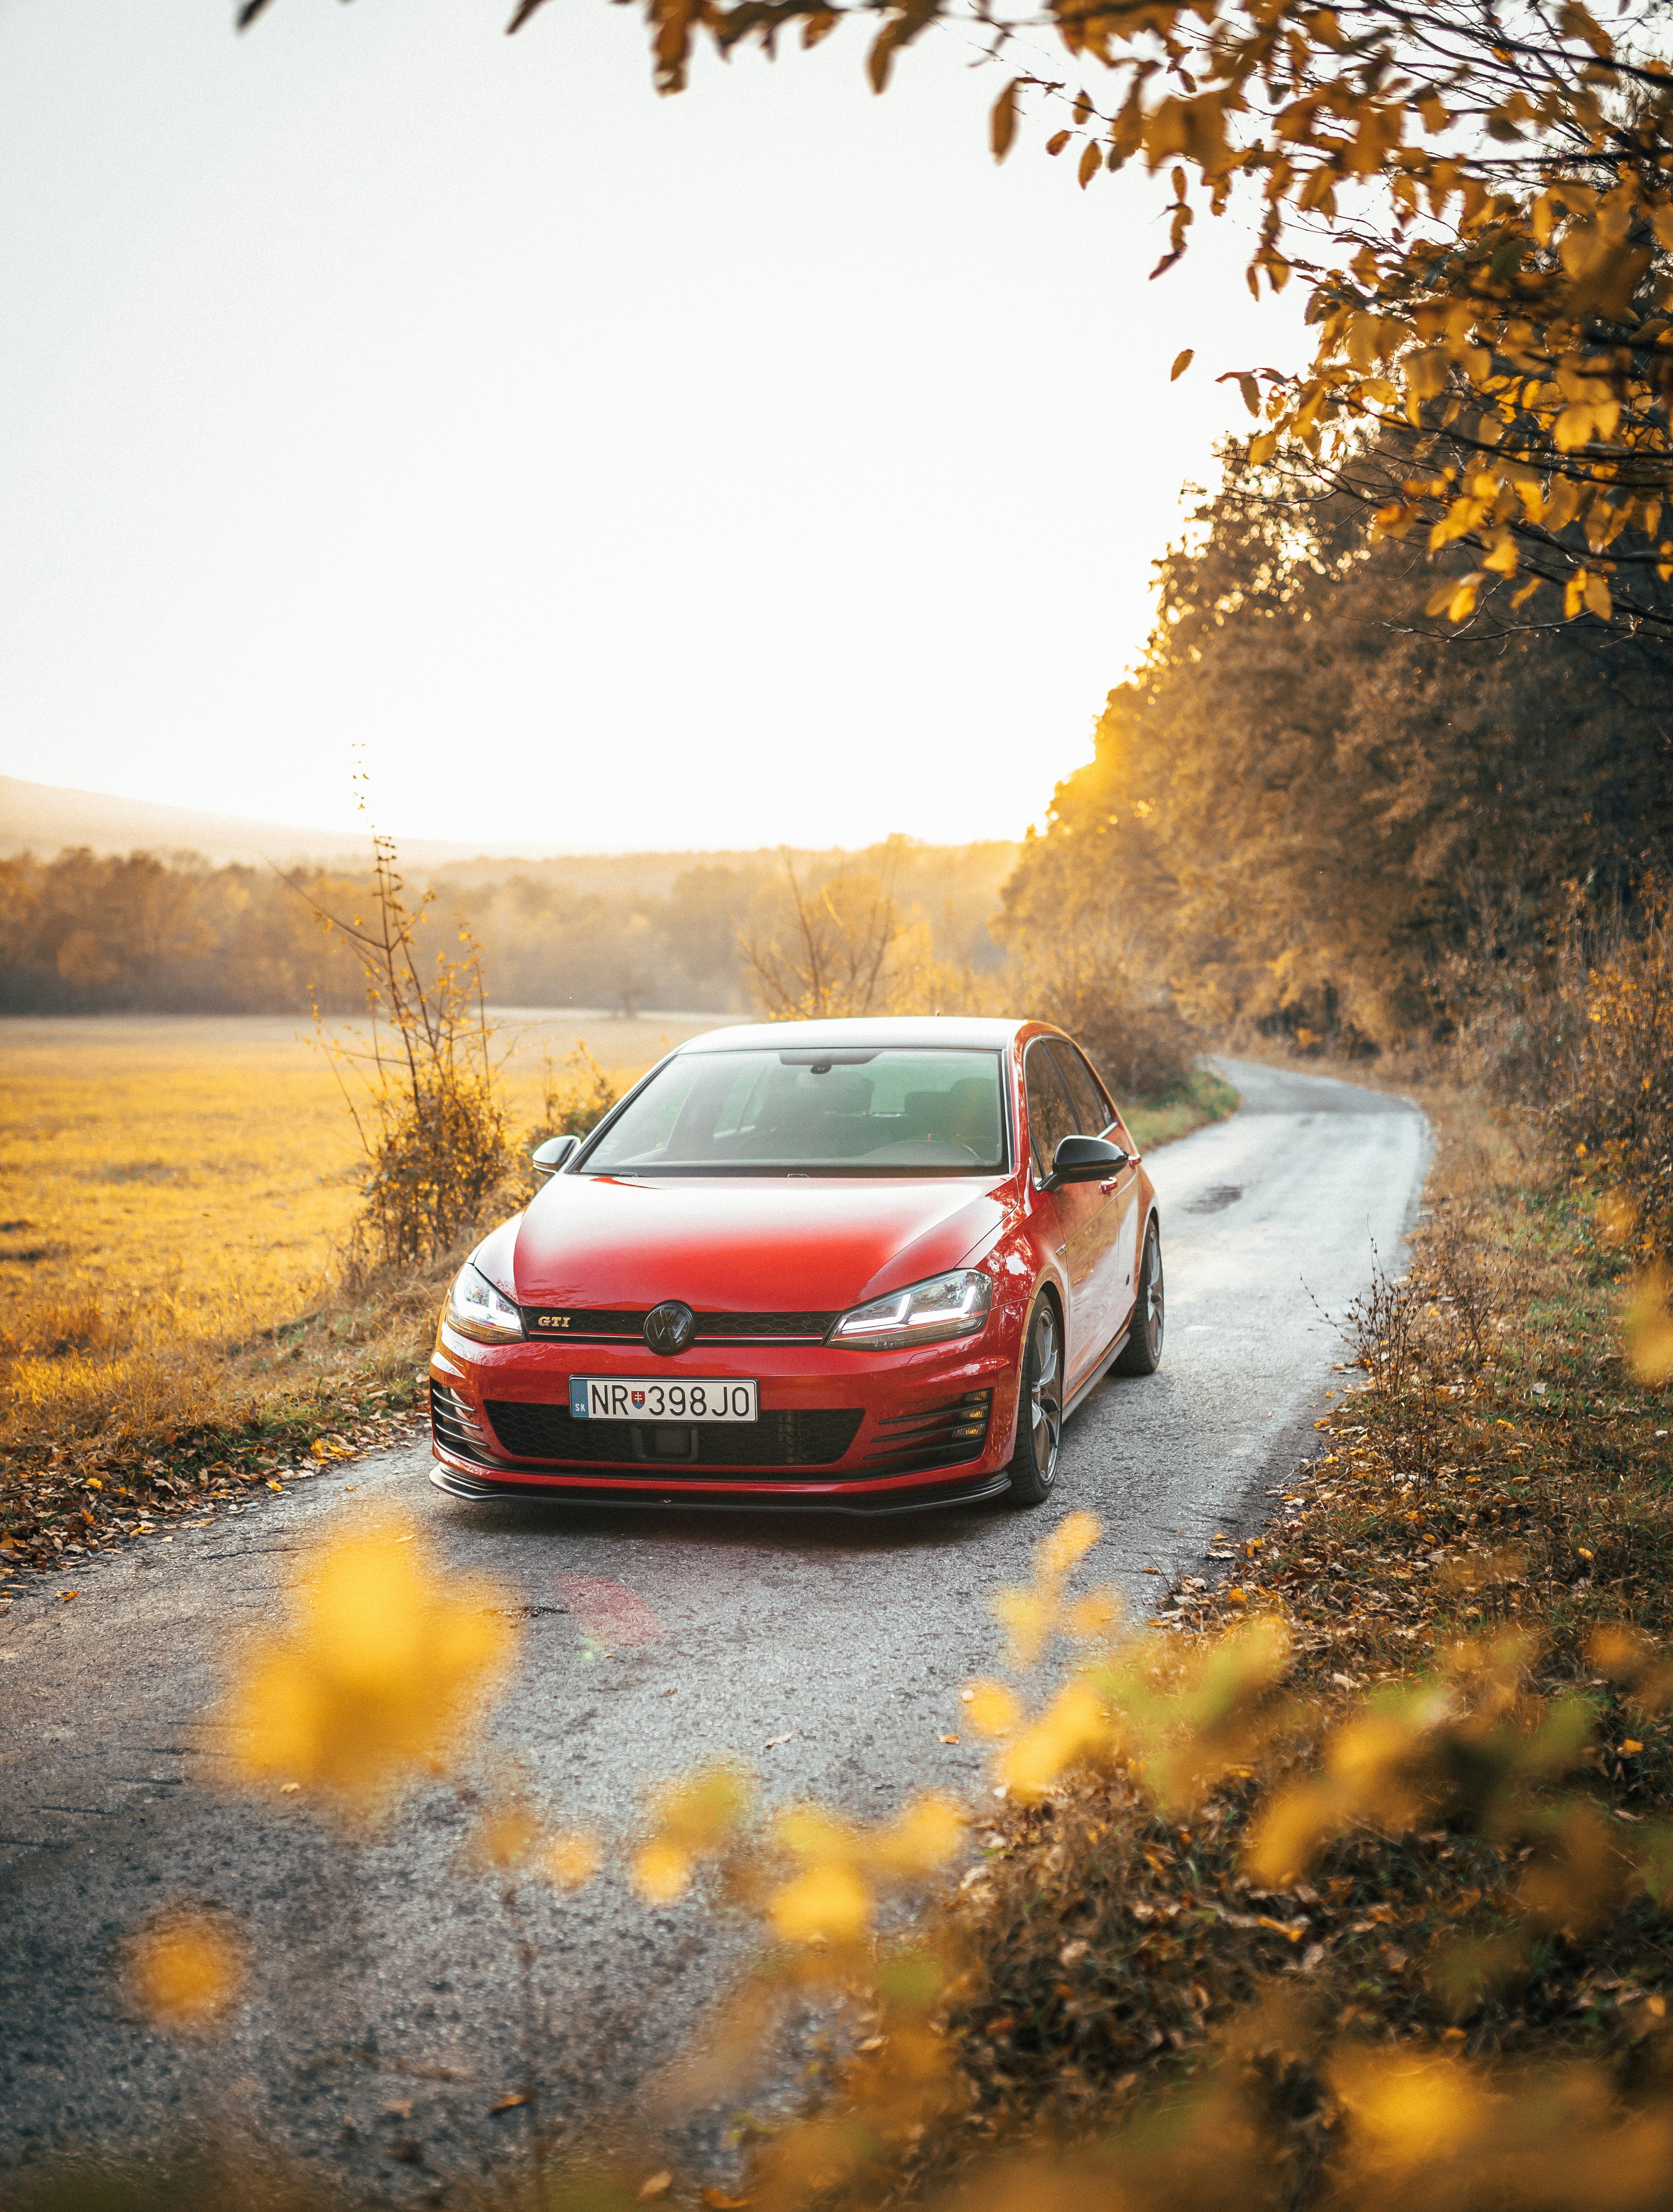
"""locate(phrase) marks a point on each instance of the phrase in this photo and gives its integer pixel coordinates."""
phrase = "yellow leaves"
(1456, 598)
(828, 1904)
(1074, 1726)
(1067, 1545)
(1406, 2110)
(1576, 22)
(1032, 1616)
(386, 1663)
(185, 1971)
(689, 1820)
(570, 1860)
(1090, 161)
(1093, 1618)
(1372, 1773)
(900, 27)
(1562, 505)
(1578, 1877)
(1002, 124)
(992, 1710)
(1028, 1618)
(1573, 428)
(1587, 593)
(1425, 372)
(832, 1899)
(1647, 1327)
(662, 1871)
(511, 1838)
(1462, 604)
(1433, 110)
(1182, 362)
(505, 1835)
(920, 1840)
(1394, 519)
(1502, 558)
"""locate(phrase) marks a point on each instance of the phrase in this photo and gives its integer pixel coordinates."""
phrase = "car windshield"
(927, 1110)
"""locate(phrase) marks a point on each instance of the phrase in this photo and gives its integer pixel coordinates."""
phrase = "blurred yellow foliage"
(185, 1971)
(512, 1839)
(385, 1667)
(570, 1861)
(690, 1820)
(1647, 1327)
(991, 1709)
(833, 1898)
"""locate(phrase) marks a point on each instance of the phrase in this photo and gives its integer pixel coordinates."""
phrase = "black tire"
(1033, 1468)
(1142, 1354)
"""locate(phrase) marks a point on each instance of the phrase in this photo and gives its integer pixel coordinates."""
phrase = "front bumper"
(873, 1431)
(870, 1501)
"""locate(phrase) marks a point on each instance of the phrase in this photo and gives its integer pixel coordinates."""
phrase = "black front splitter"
(480, 1490)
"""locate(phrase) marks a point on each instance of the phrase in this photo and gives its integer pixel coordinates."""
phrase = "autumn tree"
(1301, 815)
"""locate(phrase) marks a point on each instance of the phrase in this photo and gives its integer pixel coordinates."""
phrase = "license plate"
(638, 1398)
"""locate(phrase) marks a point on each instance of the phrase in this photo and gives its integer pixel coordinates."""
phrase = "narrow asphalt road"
(379, 2030)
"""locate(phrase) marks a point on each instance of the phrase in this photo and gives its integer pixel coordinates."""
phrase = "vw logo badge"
(670, 1327)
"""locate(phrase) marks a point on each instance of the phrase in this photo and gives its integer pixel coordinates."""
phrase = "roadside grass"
(1202, 1098)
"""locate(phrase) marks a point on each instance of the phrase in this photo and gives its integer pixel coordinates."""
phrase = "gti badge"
(670, 1327)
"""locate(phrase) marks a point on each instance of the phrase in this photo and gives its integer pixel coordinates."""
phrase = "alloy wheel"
(1046, 1393)
(1154, 1304)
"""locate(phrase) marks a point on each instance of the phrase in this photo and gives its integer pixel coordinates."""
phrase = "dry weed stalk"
(421, 1087)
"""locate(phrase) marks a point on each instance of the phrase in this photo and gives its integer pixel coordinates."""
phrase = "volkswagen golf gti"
(868, 1265)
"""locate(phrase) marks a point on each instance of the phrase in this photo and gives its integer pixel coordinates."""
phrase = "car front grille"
(814, 1439)
(939, 1434)
(593, 1324)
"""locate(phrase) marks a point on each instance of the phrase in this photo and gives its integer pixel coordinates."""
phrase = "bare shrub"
(843, 947)
(420, 1084)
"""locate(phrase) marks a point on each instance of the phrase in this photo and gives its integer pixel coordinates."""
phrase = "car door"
(1096, 1116)
(1075, 1213)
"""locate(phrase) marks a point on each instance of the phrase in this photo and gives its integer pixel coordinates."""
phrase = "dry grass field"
(169, 1186)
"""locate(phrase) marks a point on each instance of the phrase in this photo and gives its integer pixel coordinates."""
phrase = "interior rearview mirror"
(549, 1158)
(1086, 1159)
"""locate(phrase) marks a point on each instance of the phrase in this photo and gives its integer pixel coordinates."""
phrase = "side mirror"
(549, 1158)
(1086, 1159)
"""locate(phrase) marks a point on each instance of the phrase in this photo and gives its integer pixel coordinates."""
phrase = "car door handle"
(1106, 1188)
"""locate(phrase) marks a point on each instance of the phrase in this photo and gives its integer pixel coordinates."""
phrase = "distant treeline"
(85, 932)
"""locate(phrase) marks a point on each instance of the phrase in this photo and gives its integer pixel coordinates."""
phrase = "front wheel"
(1033, 1467)
(1143, 1352)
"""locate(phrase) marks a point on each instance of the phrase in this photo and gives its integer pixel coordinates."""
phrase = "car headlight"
(476, 1309)
(946, 1305)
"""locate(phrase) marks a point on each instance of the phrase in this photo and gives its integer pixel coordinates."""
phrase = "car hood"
(755, 1245)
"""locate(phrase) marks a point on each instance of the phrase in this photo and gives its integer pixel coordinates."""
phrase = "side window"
(1092, 1115)
(1049, 1117)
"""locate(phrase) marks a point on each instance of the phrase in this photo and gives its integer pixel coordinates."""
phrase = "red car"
(869, 1265)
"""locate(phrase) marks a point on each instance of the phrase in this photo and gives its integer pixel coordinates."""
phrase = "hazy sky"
(762, 464)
